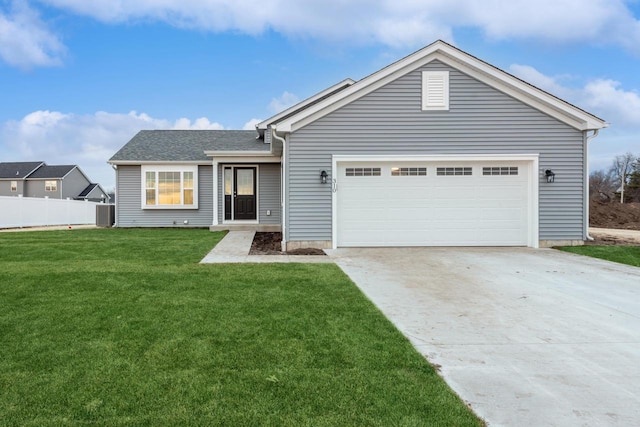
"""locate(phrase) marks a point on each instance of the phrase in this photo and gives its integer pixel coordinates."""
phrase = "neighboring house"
(37, 179)
(13, 176)
(437, 149)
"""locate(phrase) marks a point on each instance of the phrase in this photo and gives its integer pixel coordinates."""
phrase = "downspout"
(283, 208)
(586, 181)
(115, 196)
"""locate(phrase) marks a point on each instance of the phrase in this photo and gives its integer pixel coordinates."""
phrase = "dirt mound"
(270, 244)
(614, 215)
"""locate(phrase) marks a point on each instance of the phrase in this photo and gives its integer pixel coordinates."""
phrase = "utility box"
(105, 215)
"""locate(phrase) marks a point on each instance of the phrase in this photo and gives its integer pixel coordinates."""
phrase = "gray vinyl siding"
(96, 195)
(5, 188)
(36, 188)
(269, 193)
(480, 120)
(269, 186)
(73, 184)
(128, 202)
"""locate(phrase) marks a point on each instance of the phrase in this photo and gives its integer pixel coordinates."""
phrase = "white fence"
(33, 212)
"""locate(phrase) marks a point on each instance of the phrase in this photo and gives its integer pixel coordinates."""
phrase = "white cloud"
(406, 23)
(251, 124)
(87, 140)
(604, 98)
(285, 101)
(199, 124)
(25, 41)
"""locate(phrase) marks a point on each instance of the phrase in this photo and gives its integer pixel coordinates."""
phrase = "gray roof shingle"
(87, 190)
(17, 170)
(46, 172)
(186, 145)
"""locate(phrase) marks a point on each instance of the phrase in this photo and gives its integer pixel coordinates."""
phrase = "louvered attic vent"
(435, 90)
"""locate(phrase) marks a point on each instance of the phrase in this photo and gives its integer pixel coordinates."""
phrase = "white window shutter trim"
(435, 90)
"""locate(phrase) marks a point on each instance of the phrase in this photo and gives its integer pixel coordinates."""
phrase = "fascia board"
(246, 159)
(478, 69)
(265, 124)
(158, 162)
(238, 153)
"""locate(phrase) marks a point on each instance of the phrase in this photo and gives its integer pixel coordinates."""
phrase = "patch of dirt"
(610, 240)
(266, 243)
(614, 215)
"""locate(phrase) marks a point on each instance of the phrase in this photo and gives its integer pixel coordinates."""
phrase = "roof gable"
(87, 190)
(18, 170)
(456, 58)
(91, 188)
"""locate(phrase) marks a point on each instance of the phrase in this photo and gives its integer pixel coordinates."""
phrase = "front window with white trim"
(14, 186)
(50, 186)
(169, 186)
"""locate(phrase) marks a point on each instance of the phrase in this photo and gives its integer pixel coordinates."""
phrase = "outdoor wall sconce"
(323, 177)
(551, 177)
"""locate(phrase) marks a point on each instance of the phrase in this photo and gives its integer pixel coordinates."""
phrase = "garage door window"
(362, 172)
(453, 171)
(502, 170)
(408, 171)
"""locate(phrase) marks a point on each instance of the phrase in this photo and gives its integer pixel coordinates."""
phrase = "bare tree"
(621, 169)
(601, 184)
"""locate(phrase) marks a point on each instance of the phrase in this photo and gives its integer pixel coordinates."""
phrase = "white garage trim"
(533, 179)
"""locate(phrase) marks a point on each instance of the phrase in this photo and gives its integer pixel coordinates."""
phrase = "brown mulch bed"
(266, 243)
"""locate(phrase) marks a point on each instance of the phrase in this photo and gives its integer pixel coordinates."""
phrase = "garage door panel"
(432, 210)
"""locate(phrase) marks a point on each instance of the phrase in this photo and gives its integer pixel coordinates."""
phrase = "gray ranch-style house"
(436, 149)
(37, 179)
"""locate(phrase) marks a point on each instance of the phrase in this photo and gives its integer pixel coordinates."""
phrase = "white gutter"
(283, 207)
(586, 181)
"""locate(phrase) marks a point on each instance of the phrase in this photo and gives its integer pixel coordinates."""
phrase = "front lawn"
(623, 254)
(123, 327)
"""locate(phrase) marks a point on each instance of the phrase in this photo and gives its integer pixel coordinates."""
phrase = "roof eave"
(262, 126)
(157, 162)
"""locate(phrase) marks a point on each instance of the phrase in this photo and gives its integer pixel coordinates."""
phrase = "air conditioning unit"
(105, 215)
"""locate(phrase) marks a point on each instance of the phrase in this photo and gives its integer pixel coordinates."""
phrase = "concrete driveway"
(528, 337)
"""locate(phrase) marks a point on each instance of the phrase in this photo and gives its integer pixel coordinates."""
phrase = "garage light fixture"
(323, 177)
(551, 177)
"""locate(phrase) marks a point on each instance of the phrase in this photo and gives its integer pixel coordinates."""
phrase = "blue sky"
(79, 78)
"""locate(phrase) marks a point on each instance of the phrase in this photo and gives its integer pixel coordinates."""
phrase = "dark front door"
(244, 193)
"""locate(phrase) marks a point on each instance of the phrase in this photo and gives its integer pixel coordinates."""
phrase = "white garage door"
(432, 204)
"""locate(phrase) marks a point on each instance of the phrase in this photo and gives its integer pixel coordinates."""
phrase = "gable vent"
(435, 90)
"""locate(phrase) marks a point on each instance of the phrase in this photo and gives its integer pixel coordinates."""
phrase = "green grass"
(629, 255)
(123, 327)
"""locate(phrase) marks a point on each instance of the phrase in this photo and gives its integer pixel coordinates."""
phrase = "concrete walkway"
(528, 337)
(235, 247)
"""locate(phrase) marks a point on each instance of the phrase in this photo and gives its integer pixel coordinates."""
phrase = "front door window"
(240, 193)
